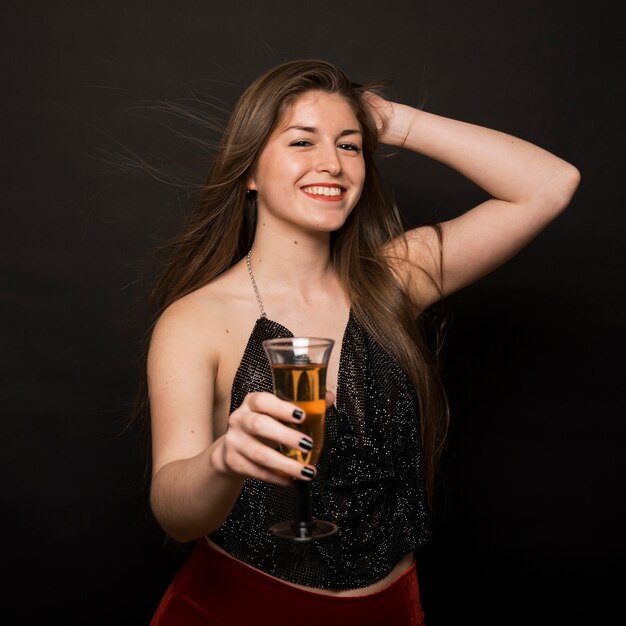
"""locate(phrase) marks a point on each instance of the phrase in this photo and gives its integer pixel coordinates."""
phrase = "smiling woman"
(296, 236)
(313, 156)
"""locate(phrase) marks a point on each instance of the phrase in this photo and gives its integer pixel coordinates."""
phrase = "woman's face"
(311, 170)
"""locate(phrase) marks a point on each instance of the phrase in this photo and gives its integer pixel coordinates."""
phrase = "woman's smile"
(326, 192)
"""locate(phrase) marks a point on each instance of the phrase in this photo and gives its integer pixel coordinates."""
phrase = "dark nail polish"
(306, 444)
(297, 414)
(307, 472)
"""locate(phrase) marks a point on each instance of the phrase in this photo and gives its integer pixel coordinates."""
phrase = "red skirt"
(213, 589)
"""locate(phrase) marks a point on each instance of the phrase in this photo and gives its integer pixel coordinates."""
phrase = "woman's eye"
(301, 143)
(350, 147)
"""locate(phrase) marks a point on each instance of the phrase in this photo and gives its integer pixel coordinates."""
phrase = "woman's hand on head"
(393, 120)
(256, 429)
(380, 109)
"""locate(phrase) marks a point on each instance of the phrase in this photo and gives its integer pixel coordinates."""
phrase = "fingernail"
(298, 414)
(306, 444)
(307, 472)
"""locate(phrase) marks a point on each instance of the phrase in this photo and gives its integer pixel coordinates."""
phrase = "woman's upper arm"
(437, 261)
(181, 372)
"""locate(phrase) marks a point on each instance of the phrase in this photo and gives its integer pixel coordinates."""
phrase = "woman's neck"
(294, 264)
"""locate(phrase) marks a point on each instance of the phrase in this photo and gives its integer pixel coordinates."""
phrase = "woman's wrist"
(217, 461)
(399, 122)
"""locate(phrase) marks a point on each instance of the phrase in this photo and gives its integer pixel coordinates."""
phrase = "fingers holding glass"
(260, 445)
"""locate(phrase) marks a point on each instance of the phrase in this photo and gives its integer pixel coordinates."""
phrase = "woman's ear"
(251, 184)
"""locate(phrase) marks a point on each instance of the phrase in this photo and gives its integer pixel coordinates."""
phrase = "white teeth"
(323, 191)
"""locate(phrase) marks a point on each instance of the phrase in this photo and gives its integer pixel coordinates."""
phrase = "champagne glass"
(299, 375)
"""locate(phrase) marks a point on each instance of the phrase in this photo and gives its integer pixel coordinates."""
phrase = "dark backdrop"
(532, 513)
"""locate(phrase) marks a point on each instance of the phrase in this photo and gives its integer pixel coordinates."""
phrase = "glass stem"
(303, 522)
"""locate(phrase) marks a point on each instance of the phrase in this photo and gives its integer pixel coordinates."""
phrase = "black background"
(532, 515)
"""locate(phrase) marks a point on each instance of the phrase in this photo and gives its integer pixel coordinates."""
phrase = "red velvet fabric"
(212, 589)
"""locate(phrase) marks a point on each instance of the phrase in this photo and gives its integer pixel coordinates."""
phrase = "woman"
(296, 235)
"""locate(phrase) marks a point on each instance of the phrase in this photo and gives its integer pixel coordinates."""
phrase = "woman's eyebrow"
(314, 130)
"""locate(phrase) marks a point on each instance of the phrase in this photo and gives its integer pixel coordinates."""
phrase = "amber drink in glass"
(299, 367)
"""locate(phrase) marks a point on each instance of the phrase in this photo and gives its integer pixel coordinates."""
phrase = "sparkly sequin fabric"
(369, 478)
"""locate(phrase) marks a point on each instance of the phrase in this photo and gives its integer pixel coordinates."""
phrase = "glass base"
(293, 531)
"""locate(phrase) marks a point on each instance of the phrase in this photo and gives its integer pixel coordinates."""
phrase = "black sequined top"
(369, 478)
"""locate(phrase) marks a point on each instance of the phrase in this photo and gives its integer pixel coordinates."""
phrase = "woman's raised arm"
(528, 186)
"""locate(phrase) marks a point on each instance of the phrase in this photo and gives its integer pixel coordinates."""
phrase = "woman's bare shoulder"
(415, 259)
(202, 307)
(207, 316)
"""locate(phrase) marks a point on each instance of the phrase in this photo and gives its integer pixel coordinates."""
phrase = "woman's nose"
(328, 161)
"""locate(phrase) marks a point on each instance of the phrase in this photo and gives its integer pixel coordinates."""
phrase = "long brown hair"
(220, 231)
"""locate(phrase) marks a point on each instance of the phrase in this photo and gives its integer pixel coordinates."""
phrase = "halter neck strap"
(257, 293)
